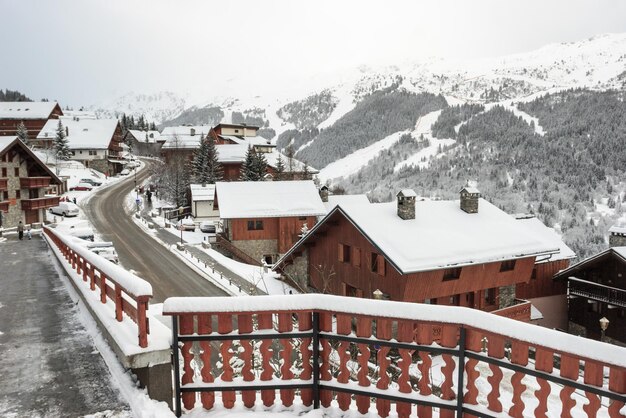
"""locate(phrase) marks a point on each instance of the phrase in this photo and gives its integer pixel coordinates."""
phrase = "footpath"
(50, 365)
(209, 264)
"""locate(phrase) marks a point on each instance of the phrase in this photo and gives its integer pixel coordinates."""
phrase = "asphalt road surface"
(150, 260)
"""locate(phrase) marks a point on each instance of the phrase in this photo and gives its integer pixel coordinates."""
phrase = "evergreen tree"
(198, 165)
(61, 144)
(260, 166)
(247, 170)
(280, 167)
(22, 133)
(214, 170)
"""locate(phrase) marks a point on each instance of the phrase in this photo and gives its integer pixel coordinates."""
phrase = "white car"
(186, 225)
(207, 227)
(124, 172)
(132, 164)
(65, 209)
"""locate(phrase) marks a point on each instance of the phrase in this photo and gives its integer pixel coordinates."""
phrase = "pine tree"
(198, 165)
(213, 166)
(260, 166)
(22, 133)
(280, 167)
(61, 144)
(247, 170)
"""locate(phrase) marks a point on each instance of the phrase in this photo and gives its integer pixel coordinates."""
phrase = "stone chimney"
(617, 236)
(406, 204)
(192, 131)
(469, 199)
(324, 193)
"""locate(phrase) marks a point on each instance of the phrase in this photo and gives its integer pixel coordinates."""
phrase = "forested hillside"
(375, 117)
(565, 177)
(309, 112)
(13, 96)
(453, 116)
(208, 115)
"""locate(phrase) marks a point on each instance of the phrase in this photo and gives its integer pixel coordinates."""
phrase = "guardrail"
(324, 348)
(129, 293)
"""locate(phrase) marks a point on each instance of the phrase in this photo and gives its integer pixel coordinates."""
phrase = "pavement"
(50, 366)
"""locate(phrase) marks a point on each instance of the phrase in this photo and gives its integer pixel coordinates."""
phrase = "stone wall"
(575, 329)
(298, 272)
(507, 296)
(257, 248)
(100, 165)
(15, 214)
(617, 240)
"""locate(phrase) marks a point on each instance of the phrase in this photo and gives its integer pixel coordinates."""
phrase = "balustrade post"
(177, 406)
(79, 264)
(142, 321)
(118, 302)
(85, 270)
(92, 278)
(103, 288)
(316, 362)
(461, 368)
(617, 384)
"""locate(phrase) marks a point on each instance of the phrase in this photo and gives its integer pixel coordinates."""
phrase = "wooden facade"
(8, 126)
(284, 230)
(541, 282)
(597, 289)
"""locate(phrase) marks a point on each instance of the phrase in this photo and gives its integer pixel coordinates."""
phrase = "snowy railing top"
(531, 334)
(133, 285)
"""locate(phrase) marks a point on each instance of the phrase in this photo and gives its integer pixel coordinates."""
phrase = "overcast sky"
(85, 51)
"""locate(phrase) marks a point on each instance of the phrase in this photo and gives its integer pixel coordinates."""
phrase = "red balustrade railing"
(34, 182)
(129, 293)
(375, 354)
(39, 203)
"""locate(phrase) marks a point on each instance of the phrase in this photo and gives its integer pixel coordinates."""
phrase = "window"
(344, 253)
(377, 264)
(533, 276)
(16, 171)
(302, 218)
(452, 274)
(236, 131)
(6, 195)
(93, 152)
(356, 257)
(4, 171)
(18, 194)
(507, 265)
(454, 300)
(490, 296)
(255, 225)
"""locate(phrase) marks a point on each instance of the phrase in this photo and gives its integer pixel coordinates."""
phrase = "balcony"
(597, 292)
(40, 203)
(4, 184)
(33, 182)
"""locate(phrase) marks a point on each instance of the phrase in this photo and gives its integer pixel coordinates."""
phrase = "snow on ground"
(354, 162)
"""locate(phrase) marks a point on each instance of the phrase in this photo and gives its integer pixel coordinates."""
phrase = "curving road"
(151, 261)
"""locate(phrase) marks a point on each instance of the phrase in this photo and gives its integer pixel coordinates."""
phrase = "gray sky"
(84, 51)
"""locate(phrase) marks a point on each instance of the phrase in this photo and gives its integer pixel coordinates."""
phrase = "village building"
(25, 184)
(144, 142)
(182, 141)
(202, 201)
(96, 143)
(229, 133)
(34, 115)
(547, 295)
(460, 253)
(596, 290)
(262, 220)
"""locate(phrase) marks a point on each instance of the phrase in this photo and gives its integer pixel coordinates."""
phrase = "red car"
(82, 186)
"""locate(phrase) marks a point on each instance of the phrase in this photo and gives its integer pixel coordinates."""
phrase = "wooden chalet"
(25, 184)
(182, 141)
(262, 220)
(428, 251)
(97, 143)
(34, 115)
(144, 142)
(547, 295)
(596, 289)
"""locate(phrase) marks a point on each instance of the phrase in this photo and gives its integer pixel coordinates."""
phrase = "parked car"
(132, 164)
(186, 224)
(82, 186)
(124, 172)
(65, 209)
(94, 183)
(77, 231)
(106, 252)
(208, 227)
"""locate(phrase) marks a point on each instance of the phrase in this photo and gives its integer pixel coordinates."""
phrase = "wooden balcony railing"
(596, 291)
(34, 182)
(376, 354)
(129, 293)
(39, 203)
(4, 184)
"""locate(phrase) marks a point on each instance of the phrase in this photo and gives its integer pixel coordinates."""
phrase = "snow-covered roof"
(254, 140)
(26, 110)
(202, 193)
(620, 252)
(440, 236)
(181, 136)
(83, 133)
(352, 199)
(470, 189)
(549, 235)
(145, 136)
(268, 199)
(617, 229)
(236, 153)
(407, 193)
(7, 142)
(80, 114)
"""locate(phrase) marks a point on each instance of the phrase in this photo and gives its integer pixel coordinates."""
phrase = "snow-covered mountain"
(598, 63)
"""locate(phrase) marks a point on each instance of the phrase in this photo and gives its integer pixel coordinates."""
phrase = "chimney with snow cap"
(617, 236)
(324, 193)
(469, 198)
(406, 204)
(192, 131)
